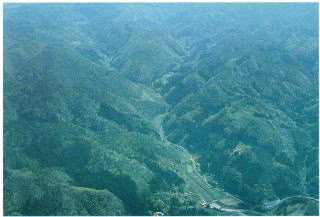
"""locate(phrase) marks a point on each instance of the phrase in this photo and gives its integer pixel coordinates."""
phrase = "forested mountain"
(131, 109)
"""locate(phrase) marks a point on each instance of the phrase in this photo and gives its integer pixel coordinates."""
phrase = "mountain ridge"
(88, 88)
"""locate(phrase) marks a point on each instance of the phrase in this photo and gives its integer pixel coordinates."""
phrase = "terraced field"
(199, 189)
(196, 184)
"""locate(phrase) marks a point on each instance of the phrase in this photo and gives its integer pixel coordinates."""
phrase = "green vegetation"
(104, 102)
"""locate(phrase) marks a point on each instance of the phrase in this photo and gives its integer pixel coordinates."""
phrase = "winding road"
(277, 202)
(161, 133)
(198, 185)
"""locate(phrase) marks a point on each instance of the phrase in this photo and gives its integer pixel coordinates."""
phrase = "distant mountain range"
(180, 109)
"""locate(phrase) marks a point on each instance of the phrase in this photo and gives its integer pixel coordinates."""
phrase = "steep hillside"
(130, 109)
(252, 103)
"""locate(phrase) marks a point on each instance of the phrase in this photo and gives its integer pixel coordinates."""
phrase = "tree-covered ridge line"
(87, 87)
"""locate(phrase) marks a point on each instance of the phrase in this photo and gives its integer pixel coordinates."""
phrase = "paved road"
(198, 185)
(277, 202)
(201, 177)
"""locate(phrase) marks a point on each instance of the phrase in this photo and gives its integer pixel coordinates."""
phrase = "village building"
(157, 214)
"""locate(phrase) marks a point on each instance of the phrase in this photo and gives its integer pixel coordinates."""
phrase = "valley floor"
(199, 189)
